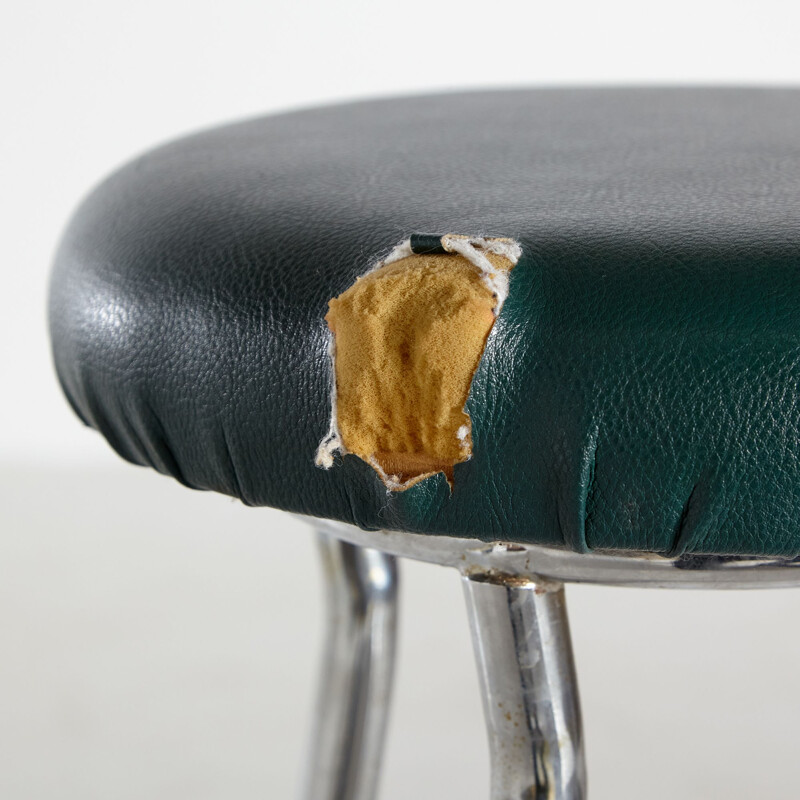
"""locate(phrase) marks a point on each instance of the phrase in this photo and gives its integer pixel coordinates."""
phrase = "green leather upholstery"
(640, 389)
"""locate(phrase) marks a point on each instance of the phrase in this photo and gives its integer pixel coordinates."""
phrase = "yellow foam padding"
(408, 339)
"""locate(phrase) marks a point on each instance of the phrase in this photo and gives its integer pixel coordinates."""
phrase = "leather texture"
(639, 390)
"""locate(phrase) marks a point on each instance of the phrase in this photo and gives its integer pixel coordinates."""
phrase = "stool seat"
(638, 389)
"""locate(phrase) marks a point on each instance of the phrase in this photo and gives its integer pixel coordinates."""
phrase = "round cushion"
(638, 390)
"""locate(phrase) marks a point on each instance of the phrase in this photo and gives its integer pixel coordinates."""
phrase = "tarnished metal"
(357, 671)
(550, 563)
(521, 638)
(522, 647)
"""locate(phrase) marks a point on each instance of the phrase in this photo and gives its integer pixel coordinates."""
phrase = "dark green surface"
(639, 390)
(426, 243)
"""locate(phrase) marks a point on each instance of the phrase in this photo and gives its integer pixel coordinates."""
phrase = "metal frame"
(520, 635)
(357, 671)
(518, 618)
(535, 562)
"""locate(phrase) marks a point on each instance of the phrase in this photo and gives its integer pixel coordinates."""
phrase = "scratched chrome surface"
(535, 562)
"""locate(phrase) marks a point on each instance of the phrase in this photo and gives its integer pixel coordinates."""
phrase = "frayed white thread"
(472, 247)
(462, 434)
(469, 247)
(331, 443)
(402, 250)
(502, 247)
(391, 482)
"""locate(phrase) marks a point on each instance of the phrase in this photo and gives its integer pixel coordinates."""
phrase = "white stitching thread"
(472, 248)
(332, 441)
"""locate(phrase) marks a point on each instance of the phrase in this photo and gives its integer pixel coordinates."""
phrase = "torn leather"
(405, 341)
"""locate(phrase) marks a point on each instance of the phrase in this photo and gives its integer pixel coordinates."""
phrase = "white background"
(151, 644)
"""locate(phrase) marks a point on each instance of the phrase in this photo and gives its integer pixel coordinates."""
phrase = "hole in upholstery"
(407, 338)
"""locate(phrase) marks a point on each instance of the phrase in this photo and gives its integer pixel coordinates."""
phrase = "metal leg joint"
(530, 696)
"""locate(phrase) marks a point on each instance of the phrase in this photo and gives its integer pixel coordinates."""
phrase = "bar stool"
(538, 336)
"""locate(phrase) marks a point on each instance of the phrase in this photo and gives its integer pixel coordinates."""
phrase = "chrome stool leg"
(522, 645)
(356, 680)
(521, 637)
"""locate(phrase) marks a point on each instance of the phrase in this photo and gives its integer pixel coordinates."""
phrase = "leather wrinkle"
(685, 531)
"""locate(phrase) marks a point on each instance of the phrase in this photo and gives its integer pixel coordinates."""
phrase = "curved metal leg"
(356, 680)
(521, 639)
